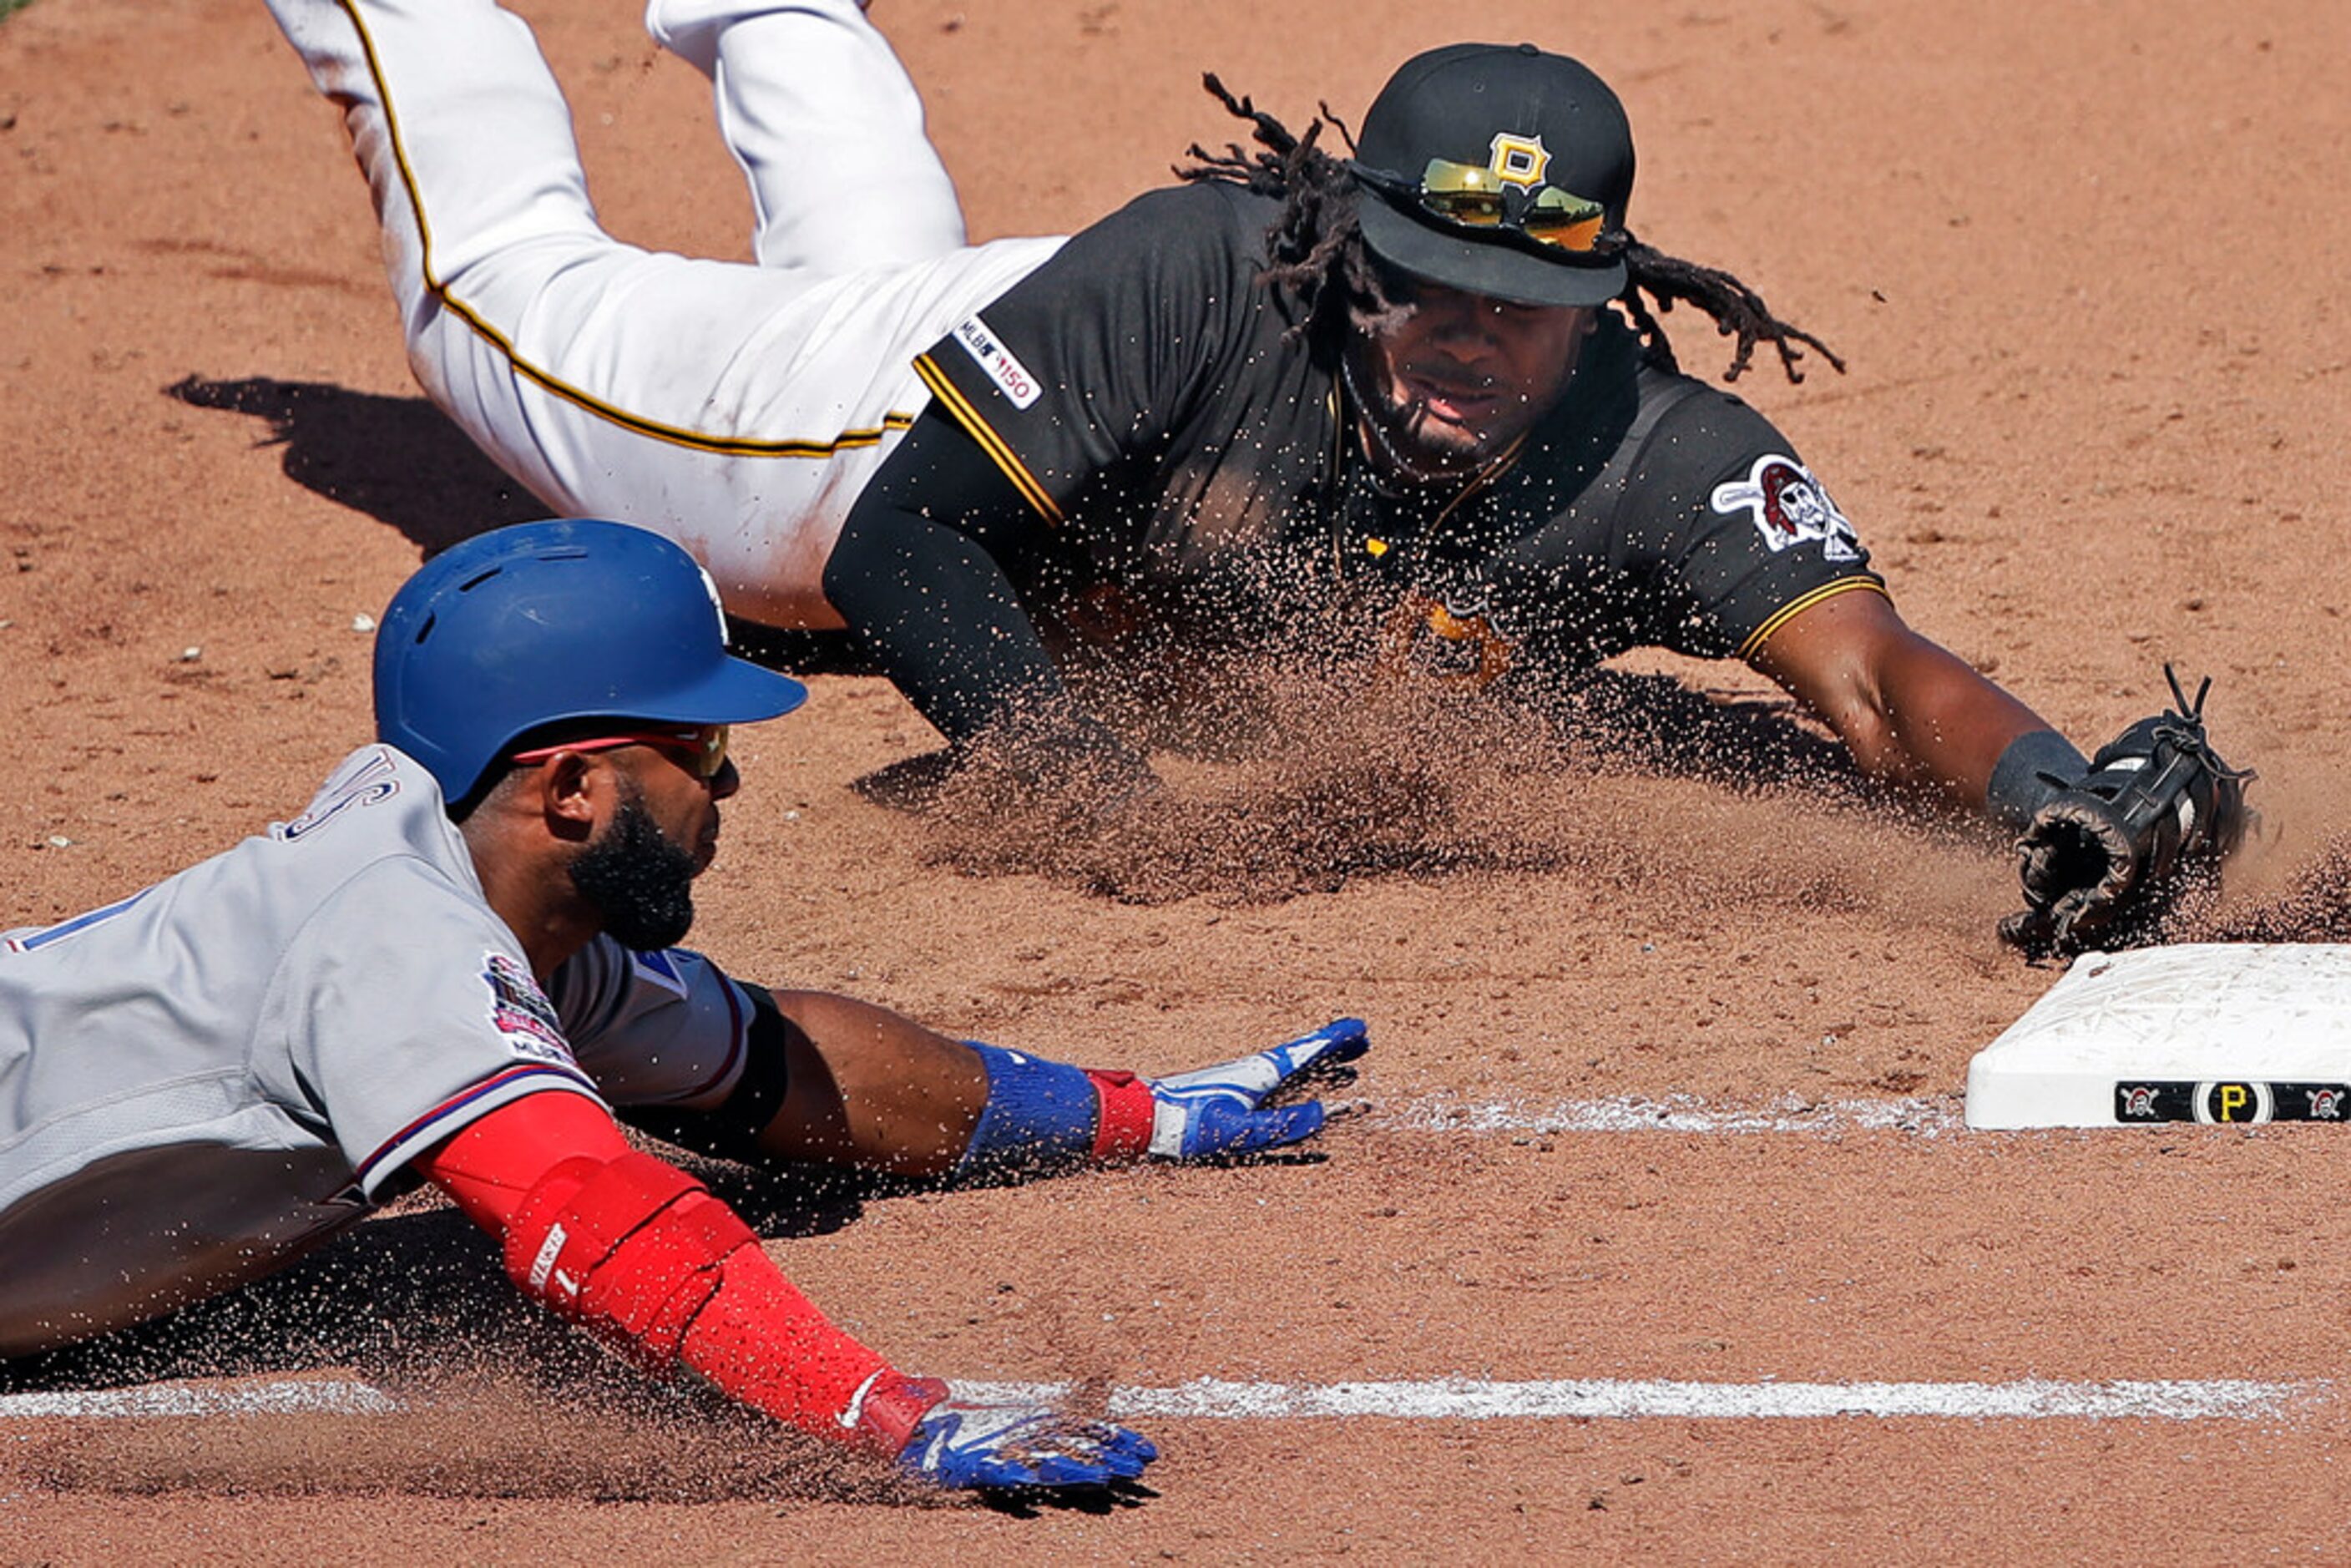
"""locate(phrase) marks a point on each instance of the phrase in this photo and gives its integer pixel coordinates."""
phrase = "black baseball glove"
(2107, 858)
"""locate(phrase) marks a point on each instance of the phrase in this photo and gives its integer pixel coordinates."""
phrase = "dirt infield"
(2081, 259)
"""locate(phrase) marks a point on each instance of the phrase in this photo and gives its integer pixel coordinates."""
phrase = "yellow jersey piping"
(739, 446)
(952, 398)
(1797, 606)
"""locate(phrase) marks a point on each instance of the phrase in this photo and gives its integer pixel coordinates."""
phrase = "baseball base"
(2216, 1033)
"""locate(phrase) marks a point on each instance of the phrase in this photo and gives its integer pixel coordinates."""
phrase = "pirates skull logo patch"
(1789, 507)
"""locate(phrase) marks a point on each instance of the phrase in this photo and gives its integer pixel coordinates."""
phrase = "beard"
(1420, 435)
(1414, 442)
(639, 881)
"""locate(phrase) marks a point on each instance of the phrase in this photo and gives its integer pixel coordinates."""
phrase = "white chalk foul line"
(1672, 1114)
(1422, 1399)
(1451, 1399)
(337, 1396)
(1401, 1399)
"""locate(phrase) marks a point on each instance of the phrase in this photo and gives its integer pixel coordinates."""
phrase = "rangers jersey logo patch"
(367, 782)
(520, 1011)
(1789, 507)
(1010, 376)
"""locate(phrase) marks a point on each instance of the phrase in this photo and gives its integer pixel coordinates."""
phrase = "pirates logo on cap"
(1519, 160)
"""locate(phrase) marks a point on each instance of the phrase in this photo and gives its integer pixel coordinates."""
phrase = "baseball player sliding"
(1416, 399)
(453, 968)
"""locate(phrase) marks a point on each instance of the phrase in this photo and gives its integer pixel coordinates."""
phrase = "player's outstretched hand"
(1230, 1108)
(1021, 1448)
(2106, 860)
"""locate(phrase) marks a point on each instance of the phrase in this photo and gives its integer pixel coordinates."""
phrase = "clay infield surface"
(2082, 261)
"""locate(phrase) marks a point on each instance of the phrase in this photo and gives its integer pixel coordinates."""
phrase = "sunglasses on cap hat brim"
(1472, 199)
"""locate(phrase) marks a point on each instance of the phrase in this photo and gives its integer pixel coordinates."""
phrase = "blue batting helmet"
(544, 623)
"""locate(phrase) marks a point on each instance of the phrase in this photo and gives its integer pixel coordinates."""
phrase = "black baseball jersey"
(1151, 401)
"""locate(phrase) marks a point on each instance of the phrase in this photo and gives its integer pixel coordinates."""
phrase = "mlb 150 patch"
(520, 1011)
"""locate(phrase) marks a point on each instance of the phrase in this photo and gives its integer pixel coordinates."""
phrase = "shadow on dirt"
(397, 459)
(1642, 723)
(411, 1293)
(404, 462)
(397, 1286)
(491, 1398)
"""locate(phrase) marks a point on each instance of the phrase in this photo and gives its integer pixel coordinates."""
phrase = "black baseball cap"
(1536, 120)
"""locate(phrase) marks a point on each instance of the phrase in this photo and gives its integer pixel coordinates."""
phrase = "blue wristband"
(1040, 1116)
(2020, 783)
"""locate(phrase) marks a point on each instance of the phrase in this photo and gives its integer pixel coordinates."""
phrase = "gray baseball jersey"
(218, 1073)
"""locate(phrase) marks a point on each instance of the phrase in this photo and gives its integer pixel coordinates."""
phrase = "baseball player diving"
(457, 963)
(1416, 399)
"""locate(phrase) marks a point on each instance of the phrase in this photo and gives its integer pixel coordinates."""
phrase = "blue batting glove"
(1009, 1447)
(1223, 1110)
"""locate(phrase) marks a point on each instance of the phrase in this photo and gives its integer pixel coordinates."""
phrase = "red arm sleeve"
(638, 1252)
(490, 1165)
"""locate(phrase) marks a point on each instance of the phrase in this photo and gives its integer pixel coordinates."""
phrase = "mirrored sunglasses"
(1473, 197)
(700, 748)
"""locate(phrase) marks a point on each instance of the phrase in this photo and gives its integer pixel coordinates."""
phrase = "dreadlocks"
(1315, 250)
(1738, 310)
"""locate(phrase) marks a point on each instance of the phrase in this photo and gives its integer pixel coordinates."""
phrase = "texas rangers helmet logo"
(1519, 160)
(1789, 507)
